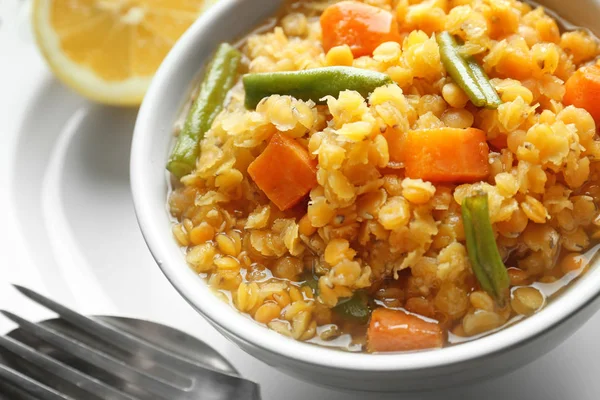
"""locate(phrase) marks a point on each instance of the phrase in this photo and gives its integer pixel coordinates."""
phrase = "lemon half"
(109, 50)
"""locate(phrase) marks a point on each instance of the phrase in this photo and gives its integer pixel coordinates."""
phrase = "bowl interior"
(228, 21)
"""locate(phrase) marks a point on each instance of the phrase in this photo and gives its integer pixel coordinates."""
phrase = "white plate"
(67, 229)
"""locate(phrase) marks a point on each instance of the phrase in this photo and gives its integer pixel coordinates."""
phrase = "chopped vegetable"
(355, 308)
(284, 171)
(360, 26)
(219, 78)
(311, 84)
(467, 74)
(482, 249)
(491, 96)
(446, 155)
(395, 330)
(583, 90)
(457, 68)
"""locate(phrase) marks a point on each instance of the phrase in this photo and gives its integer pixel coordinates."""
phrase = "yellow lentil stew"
(393, 175)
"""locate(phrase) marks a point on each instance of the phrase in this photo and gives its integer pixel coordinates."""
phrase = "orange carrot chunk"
(395, 330)
(447, 155)
(361, 26)
(583, 90)
(284, 171)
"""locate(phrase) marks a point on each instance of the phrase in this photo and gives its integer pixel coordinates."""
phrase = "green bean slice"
(482, 249)
(220, 77)
(458, 68)
(311, 84)
(491, 96)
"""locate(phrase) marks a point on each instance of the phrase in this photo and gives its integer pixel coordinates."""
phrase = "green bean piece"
(458, 69)
(219, 78)
(311, 84)
(355, 308)
(491, 96)
(483, 252)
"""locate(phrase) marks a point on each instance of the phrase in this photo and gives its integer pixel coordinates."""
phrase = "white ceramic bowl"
(488, 356)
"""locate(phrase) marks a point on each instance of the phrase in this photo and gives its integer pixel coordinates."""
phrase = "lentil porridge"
(392, 175)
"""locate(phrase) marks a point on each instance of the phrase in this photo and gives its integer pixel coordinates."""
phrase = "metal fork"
(77, 357)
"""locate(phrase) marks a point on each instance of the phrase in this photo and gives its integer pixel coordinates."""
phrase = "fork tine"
(107, 363)
(63, 371)
(205, 378)
(37, 389)
(123, 340)
(9, 391)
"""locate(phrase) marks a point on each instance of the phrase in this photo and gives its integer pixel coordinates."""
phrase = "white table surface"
(67, 229)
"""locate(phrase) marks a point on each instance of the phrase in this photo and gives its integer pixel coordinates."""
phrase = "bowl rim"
(224, 316)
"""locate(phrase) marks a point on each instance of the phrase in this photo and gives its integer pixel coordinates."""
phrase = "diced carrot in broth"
(284, 171)
(361, 26)
(583, 90)
(395, 330)
(447, 155)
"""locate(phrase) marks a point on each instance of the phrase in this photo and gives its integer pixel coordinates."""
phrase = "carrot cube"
(361, 26)
(583, 90)
(447, 155)
(396, 330)
(284, 171)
